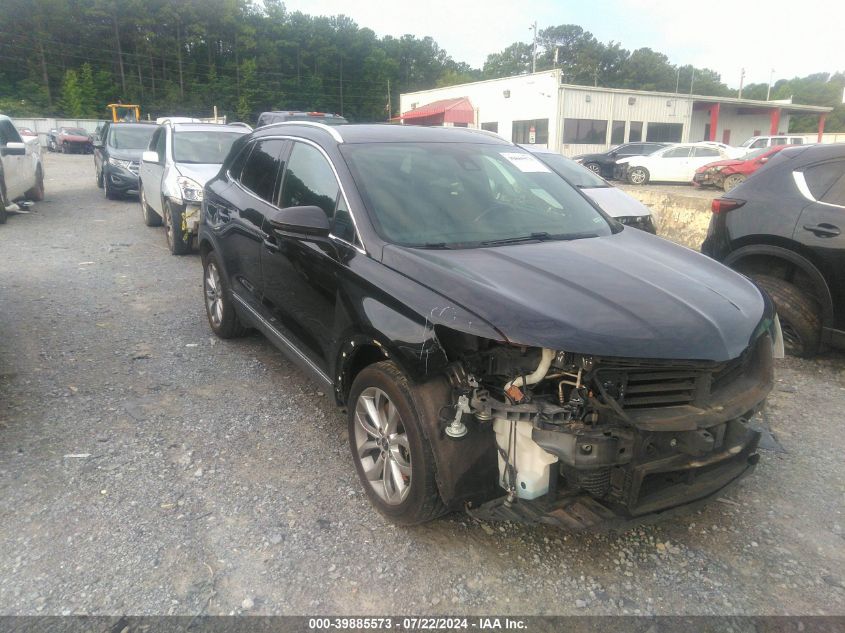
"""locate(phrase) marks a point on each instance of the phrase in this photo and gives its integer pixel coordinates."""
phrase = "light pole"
(741, 81)
(769, 89)
(534, 47)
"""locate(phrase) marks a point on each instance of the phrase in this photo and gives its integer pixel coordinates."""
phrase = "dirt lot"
(148, 468)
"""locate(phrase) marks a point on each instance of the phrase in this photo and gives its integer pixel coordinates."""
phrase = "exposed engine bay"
(582, 441)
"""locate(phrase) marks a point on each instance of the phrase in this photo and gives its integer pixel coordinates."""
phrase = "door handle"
(823, 230)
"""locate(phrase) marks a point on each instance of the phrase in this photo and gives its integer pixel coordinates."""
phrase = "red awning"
(458, 110)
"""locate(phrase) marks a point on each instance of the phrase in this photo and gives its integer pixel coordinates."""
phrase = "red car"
(728, 173)
(74, 139)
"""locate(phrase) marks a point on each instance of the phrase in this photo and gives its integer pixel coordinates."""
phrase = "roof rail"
(239, 124)
(322, 126)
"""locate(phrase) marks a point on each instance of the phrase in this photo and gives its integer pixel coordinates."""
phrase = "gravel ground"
(148, 468)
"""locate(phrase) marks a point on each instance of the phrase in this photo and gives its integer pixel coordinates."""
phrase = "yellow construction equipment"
(124, 112)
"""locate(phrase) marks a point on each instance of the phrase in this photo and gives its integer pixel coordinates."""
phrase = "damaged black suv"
(501, 345)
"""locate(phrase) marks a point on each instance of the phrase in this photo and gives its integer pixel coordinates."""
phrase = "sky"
(791, 38)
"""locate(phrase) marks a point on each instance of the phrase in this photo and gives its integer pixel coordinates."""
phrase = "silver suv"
(180, 159)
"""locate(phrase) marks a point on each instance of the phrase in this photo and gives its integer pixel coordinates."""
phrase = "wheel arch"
(749, 258)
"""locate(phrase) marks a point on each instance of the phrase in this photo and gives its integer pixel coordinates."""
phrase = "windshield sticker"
(525, 162)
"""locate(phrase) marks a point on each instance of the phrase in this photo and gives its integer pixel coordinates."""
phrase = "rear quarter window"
(821, 177)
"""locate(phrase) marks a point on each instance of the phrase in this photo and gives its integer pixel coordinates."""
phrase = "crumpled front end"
(591, 442)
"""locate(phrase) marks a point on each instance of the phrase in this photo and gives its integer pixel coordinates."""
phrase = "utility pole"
(534, 48)
(389, 108)
(769, 89)
(741, 81)
(691, 80)
(341, 85)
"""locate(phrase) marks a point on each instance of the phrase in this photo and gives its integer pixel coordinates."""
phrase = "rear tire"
(219, 308)
(732, 181)
(800, 316)
(638, 176)
(392, 456)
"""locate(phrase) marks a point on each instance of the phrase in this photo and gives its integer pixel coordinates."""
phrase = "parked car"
(21, 170)
(178, 162)
(757, 142)
(499, 342)
(730, 151)
(676, 163)
(604, 163)
(117, 154)
(267, 118)
(727, 174)
(27, 133)
(783, 227)
(52, 140)
(74, 140)
(612, 200)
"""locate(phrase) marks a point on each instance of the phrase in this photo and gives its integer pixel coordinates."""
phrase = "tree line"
(181, 57)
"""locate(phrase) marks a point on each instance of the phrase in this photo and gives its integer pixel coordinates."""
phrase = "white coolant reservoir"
(532, 462)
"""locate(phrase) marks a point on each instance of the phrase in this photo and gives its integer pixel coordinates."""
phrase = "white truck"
(21, 169)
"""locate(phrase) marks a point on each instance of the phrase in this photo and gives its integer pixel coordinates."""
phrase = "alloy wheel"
(213, 294)
(381, 446)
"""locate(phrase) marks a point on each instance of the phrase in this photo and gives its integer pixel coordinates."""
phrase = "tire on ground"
(36, 194)
(800, 316)
(423, 502)
(642, 176)
(3, 200)
(175, 233)
(151, 218)
(230, 325)
(732, 181)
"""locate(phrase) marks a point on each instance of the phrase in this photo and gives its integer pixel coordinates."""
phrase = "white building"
(538, 109)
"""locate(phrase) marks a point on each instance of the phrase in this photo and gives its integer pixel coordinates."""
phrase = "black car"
(604, 164)
(783, 227)
(499, 343)
(117, 155)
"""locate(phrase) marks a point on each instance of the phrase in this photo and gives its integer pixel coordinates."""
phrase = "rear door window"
(821, 177)
(677, 152)
(261, 171)
(701, 152)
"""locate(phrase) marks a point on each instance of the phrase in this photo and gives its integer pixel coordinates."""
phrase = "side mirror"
(150, 157)
(310, 220)
(13, 149)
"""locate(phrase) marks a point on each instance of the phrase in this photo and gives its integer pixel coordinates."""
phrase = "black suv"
(604, 164)
(783, 227)
(500, 344)
(268, 118)
(117, 155)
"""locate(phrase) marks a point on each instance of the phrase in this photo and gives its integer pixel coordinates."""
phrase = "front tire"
(732, 181)
(638, 176)
(4, 202)
(99, 178)
(391, 453)
(219, 309)
(151, 218)
(800, 316)
(175, 232)
(594, 167)
(36, 194)
(111, 194)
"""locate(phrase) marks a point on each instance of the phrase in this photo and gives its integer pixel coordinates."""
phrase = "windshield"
(202, 147)
(75, 131)
(574, 173)
(123, 137)
(461, 195)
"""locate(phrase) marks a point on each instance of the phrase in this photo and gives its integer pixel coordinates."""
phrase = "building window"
(522, 131)
(585, 131)
(617, 133)
(665, 132)
(491, 127)
(635, 132)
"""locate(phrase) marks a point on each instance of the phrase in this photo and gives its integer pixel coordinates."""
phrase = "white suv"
(21, 171)
(756, 142)
(180, 159)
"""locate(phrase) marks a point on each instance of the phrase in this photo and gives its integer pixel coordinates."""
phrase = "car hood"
(201, 173)
(721, 163)
(615, 202)
(627, 295)
(126, 154)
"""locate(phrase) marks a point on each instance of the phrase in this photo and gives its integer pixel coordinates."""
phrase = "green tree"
(72, 103)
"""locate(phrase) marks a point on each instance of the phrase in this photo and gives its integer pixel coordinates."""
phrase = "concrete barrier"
(683, 212)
